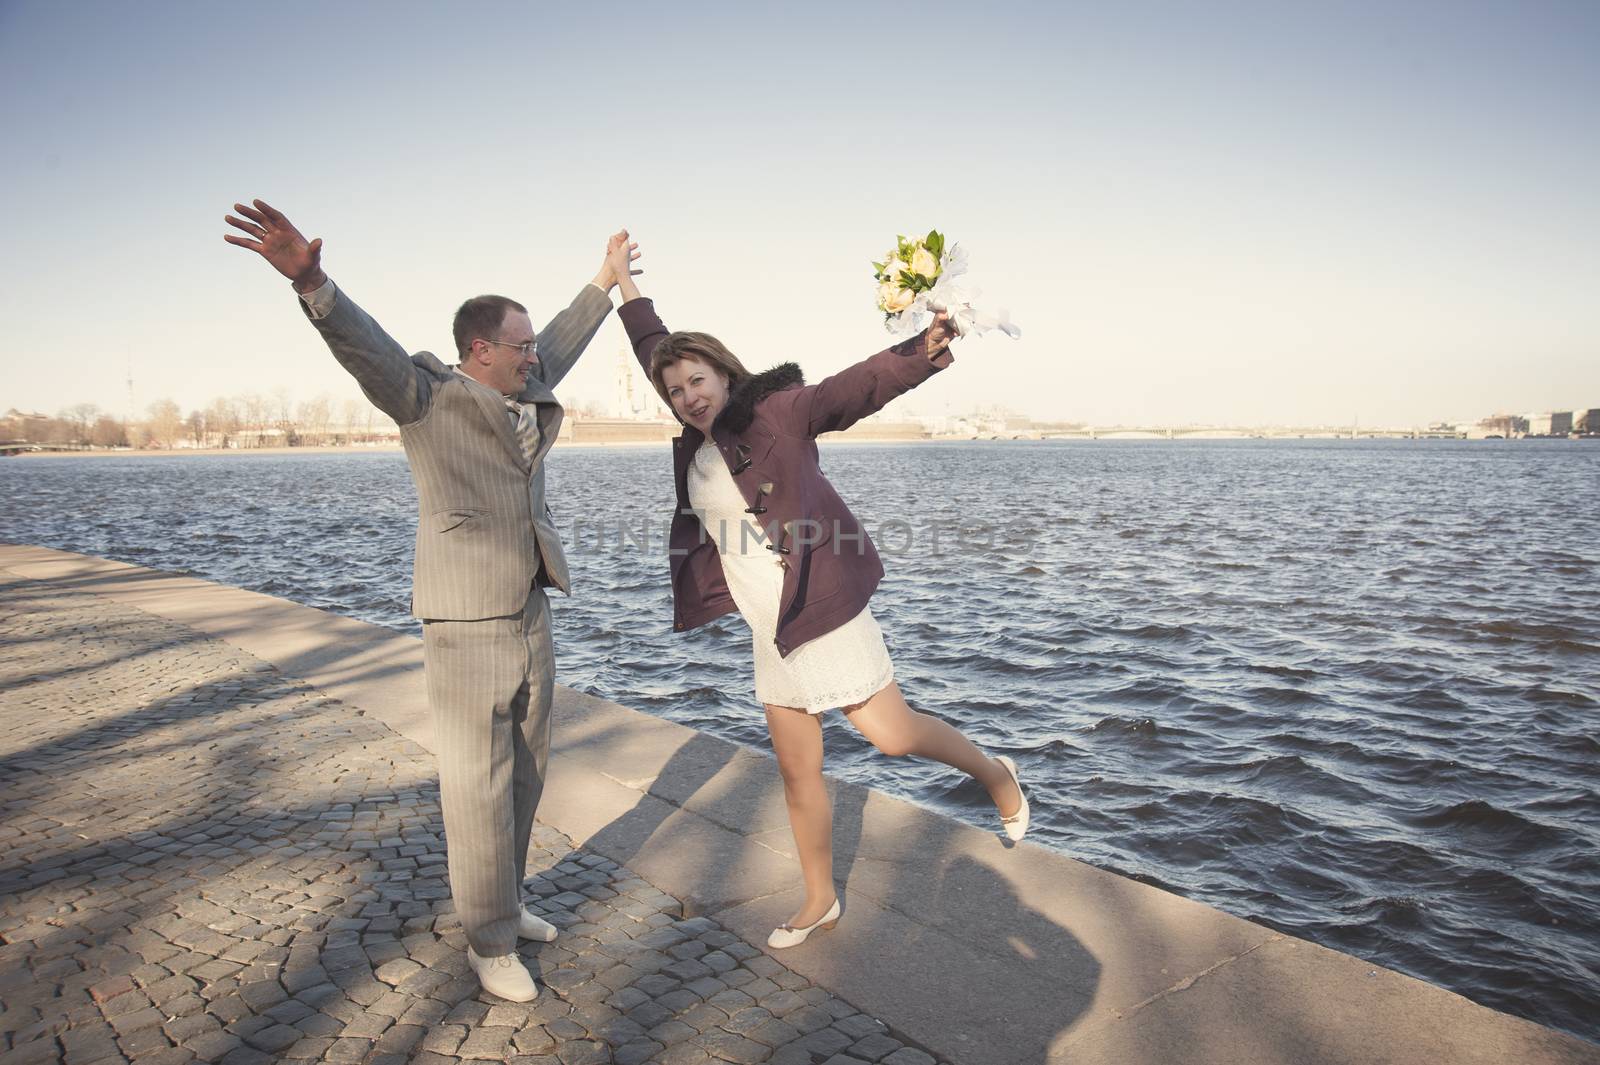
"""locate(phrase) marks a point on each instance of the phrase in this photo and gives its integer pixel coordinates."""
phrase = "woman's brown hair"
(701, 346)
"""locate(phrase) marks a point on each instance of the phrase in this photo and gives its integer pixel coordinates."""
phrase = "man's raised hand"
(274, 238)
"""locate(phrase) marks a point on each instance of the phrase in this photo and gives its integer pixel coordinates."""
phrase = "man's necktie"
(527, 428)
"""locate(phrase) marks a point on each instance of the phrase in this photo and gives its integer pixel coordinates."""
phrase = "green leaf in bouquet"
(935, 243)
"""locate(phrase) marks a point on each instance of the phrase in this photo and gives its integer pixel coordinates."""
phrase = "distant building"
(27, 426)
(1550, 423)
(1587, 422)
(616, 431)
(1505, 426)
(633, 396)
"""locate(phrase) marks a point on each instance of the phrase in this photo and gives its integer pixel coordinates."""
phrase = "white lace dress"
(840, 668)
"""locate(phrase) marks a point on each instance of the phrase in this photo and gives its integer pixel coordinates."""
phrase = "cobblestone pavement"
(205, 860)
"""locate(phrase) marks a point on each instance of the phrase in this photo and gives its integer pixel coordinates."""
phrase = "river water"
(1348, 689)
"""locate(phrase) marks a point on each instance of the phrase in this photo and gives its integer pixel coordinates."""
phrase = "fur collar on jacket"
(740, 410)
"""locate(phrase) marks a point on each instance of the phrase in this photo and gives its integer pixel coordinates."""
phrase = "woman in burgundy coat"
(760, 530)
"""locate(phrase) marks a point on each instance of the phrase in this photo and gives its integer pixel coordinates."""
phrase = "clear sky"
(1244, 213)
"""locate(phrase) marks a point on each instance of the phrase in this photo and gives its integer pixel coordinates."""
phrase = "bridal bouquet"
(918, 278)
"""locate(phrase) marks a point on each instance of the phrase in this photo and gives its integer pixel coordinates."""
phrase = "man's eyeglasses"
(527, 349)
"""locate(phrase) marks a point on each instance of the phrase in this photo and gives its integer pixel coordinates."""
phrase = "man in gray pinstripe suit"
(475, 435)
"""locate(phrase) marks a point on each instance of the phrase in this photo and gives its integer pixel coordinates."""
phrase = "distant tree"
(166, 421)
(313, 418)
(352, 419)
(222, 419)
(108, 432)
(283, 409)
(56, 431)
(80, 419)
(282, 412)
(195, 423)
(254, 409)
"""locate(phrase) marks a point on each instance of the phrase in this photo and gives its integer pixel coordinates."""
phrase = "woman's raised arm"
(842, 399)
(639, 318)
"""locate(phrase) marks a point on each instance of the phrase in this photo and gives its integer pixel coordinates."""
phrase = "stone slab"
(1291, 1001)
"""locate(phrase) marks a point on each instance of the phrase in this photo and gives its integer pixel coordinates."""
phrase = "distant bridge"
(1218, 431)
(9, 448)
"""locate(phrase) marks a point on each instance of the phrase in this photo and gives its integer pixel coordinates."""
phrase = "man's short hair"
(481, 317)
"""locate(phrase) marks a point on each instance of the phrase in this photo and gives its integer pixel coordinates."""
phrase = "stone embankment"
(222, 842)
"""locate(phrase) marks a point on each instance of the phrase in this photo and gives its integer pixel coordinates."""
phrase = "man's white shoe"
(533, 926)
(505, 976)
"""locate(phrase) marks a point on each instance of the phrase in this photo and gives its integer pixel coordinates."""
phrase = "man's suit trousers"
(490, 685)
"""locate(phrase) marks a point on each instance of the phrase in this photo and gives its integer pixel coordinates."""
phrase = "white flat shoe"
(505, 976)
(533, 926)
(790, 936)
(1016, 825)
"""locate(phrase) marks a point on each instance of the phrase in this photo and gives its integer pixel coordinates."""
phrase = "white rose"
(923, 262)
(894, 299)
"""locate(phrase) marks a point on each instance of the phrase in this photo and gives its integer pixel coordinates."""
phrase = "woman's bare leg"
(896, 729)
(797, 741)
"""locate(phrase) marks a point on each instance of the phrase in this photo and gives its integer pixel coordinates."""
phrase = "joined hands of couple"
(272, 236)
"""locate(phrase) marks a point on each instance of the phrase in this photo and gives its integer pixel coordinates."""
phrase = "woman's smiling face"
(698, 391)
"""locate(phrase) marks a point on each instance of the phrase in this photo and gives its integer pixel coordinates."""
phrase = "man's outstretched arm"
(380, 365)
(564, 339)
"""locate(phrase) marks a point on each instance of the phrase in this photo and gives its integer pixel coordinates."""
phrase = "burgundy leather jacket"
(767, 435)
